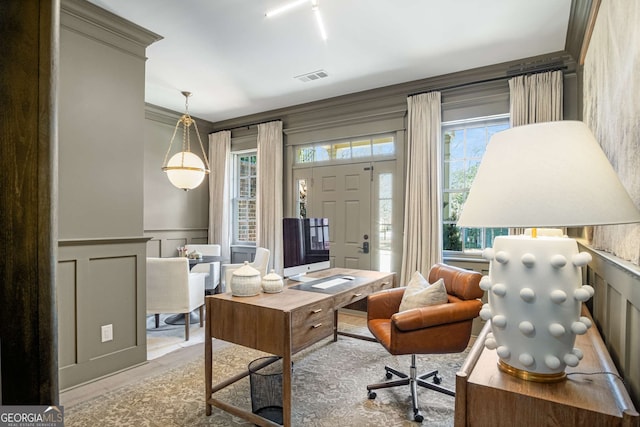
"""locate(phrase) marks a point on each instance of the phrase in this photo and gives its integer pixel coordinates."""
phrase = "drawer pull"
(316, 326)
(316, 311)
(357, 295)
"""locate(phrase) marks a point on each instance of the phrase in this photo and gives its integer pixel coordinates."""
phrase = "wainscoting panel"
(66, 285)
(240, 254)
(164, 243)
(616, 311)
(633, 349)
(615, 325)
(112, 285)
(153, 248)
(100, 282)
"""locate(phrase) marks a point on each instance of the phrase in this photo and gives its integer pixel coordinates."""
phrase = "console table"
(281, 324)
(486, 396)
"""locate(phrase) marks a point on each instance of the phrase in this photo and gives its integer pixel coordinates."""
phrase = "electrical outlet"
(107, 333)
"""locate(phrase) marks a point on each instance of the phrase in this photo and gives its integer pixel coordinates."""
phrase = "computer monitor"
(305, 246)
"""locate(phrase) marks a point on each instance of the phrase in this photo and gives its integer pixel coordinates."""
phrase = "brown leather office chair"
(436, 329)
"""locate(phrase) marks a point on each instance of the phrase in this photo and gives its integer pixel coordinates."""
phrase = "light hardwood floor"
(161, 360)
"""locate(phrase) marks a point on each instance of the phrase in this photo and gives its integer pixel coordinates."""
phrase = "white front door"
(342, 193)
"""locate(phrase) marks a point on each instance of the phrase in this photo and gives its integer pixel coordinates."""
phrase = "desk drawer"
(352, 296)
(363, 291)
(386, 283)
(311, 323)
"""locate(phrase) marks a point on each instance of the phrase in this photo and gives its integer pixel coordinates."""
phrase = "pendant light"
(185, 169)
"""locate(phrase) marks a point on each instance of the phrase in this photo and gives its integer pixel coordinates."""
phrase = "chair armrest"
(383, 304)
(425, 317)
(196, 275)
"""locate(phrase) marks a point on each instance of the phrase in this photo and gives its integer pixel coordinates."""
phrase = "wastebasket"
(265, 378)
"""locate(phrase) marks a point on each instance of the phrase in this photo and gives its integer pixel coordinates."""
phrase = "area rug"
(329, 389)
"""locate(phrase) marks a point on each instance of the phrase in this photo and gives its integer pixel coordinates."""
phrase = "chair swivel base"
(413, 380)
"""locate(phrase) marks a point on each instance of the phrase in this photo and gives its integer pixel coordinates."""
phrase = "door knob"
(364, 247)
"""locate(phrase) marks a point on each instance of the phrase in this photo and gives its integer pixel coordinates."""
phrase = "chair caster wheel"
(371, 395)
(389, 375)
(437, 379)
(418, 418)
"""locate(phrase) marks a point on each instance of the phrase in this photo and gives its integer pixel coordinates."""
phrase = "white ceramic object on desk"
(272, 283)
(245, 281)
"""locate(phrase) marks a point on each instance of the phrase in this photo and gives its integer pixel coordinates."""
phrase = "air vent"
(316, 75)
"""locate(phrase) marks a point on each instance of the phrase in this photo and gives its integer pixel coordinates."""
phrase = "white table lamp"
(551, 174)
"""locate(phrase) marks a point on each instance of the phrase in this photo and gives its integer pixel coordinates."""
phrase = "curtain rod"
(247, 125)
(489, 80)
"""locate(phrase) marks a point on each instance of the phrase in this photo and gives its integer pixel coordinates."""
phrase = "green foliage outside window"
(464, 144)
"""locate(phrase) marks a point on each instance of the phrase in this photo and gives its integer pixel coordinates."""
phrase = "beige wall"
(100, 277)
(100, 177)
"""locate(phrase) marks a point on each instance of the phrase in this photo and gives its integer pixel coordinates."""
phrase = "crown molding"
(171, 117)
(87, 19)
(393, 98)
(580, 25)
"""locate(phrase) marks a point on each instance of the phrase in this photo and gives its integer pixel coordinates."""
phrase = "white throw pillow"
(420, 293)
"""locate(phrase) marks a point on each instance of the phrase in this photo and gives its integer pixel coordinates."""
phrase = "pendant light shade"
(185, 169)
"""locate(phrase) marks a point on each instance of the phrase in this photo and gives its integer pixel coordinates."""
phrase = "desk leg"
(347, 334)
(286, 389)
(207, 360)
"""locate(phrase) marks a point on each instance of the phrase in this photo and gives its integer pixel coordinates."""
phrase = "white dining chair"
(212, 269)
(172, 288)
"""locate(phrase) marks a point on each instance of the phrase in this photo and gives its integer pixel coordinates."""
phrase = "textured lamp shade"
(185, 170)
(545, 175)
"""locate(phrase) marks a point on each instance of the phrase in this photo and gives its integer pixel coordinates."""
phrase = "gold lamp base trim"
(531, 376)
(184, 168)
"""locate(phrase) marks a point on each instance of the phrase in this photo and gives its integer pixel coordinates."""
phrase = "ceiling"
(238, 62)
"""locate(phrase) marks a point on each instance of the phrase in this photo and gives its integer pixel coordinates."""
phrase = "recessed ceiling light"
(316, 12)
(293, 4)
(284, 8)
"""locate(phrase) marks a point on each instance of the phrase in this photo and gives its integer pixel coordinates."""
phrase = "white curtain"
(535, 98)
(422, 244)
(219, 180)
(269, 202)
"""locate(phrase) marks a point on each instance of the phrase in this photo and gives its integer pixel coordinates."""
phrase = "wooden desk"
(486, 396)
(281, 324)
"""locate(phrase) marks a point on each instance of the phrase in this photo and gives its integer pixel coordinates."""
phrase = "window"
(385, 220)
(364, 148)
(301, 198)
(464, 144)
(244, 197)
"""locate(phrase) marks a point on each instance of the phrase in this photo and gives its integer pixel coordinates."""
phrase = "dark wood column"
(28, 182)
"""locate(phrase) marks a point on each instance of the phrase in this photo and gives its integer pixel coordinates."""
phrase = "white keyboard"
(330, 283)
